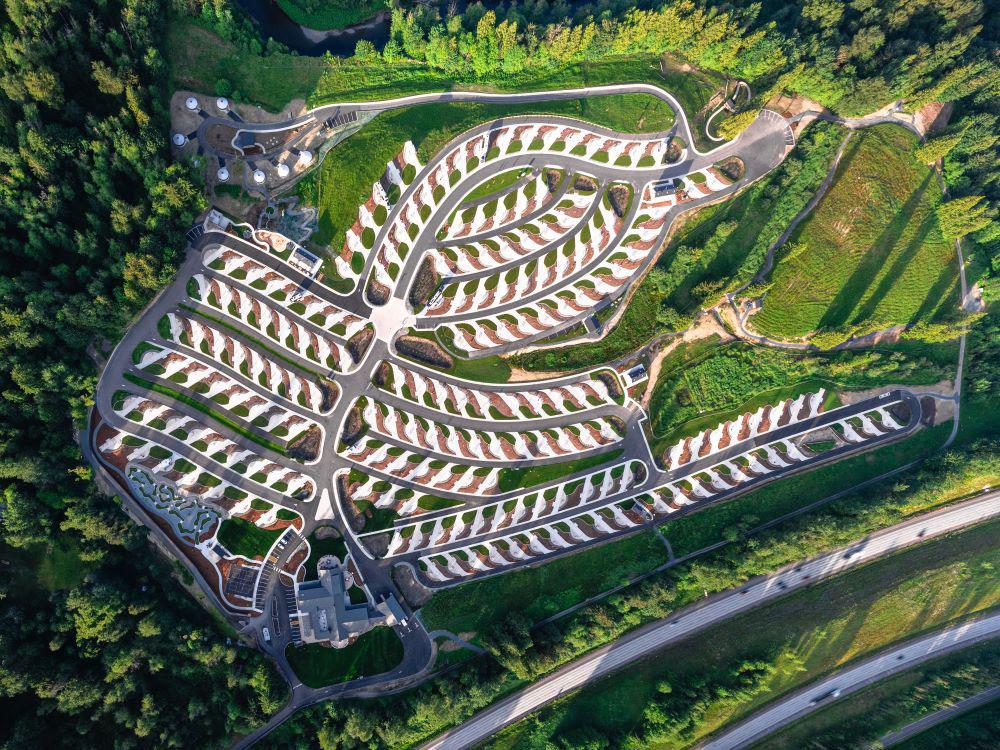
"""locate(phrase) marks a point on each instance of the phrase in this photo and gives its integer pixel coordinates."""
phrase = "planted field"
(789, 643)
(244, 538)
(379, 650)
(871, 253)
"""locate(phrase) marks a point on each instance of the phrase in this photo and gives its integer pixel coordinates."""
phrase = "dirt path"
(706, 326)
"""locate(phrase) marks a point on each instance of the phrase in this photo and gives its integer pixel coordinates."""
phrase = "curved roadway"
(818, 695)
(642, 642)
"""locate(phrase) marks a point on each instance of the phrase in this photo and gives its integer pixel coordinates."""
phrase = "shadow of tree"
(903, 259)
(839, 310)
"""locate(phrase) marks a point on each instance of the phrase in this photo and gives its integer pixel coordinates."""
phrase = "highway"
(884, 664)
(709, 613)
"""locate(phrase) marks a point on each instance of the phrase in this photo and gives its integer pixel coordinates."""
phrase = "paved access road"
(715, 610)
(889, 662)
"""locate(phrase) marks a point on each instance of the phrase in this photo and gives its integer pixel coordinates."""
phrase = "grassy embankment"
(720, 247)
(871, 252)
(862, 718)
(716, 384)
(805, 635)
(376, 651)
(976, 730)
(198, 58)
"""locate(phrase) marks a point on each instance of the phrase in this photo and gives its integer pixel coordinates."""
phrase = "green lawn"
(804, 636)
(697, 392)
(492, 369)
(544, 591)
(496, 183)
(320, 547)
(867, 715)
(529, 476)
(871, 252)
(330, 14)
(244, 538)
(379, 650)
(725, 520)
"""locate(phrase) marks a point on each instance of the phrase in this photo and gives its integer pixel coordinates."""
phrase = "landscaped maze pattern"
(212, 438)
(321, 338)
(478, 402)
(610, 512)
(485, 445)
(520, 262)
(427, 451)
(566, 270)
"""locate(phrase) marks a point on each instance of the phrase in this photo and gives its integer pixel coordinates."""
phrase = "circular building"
(191, 103)
(179, 139)
(282, 171)
(305, 158)
(222, 174)
(258, 176)
(222, 103)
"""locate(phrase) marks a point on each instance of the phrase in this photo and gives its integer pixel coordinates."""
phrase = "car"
(835, 693)
(267, 635)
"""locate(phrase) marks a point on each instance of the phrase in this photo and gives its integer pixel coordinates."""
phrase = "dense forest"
(851, 57)
(107, 650)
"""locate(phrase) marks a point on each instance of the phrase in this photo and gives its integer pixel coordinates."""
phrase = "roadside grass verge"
(241, 537)
(546, 590)
(379, 650)
(871, 252)
(529, 476)
(727, 521)
(975, 730)
(802, 636)
(863, 717)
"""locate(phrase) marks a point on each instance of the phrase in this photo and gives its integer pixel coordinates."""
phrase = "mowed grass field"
(806, 634)
(871, 251)
(379, 650)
